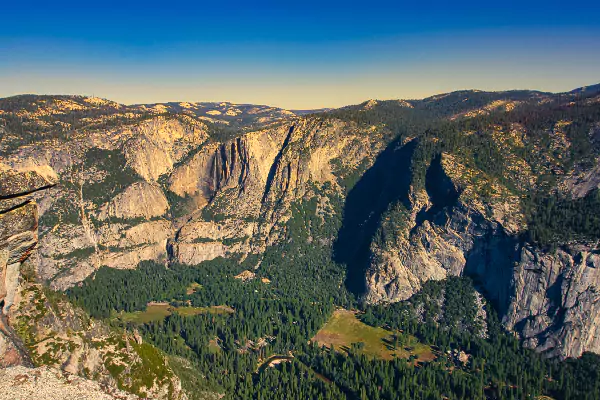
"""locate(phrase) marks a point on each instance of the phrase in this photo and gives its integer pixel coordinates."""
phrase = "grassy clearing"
(344, 329)
(213, 345)
(188, 311)
(193, 288)
(154, 312)
(157, 312)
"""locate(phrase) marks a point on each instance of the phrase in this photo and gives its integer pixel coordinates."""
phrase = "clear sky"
(308, 54)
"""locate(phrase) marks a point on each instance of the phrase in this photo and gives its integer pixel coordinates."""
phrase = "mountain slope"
(41, 328)
(453, 184)
(476, 197)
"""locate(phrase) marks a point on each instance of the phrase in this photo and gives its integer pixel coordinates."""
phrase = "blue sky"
(296, 55)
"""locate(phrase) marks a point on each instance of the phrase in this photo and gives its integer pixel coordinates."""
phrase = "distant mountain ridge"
(587, 90)
(246, 113)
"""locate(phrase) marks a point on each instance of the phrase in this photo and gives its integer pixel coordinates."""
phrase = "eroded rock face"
(452, 242)
(555, 300)
(18, 238)
(141, 199)
(550, 299)
(252, 181)
(18, 227)
(156, 145)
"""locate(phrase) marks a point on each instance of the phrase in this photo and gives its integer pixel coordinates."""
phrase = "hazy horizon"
(295, 57)
(299, 109)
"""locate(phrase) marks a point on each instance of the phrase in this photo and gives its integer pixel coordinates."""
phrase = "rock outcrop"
(39, 327)
(140, 200)
(61, 336)
(153, 147)
(45, 383)
(18, 238)
(548, 298)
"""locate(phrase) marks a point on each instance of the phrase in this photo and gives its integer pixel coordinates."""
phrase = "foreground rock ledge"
(21, 383)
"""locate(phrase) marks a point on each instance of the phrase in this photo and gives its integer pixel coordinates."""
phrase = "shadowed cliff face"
(548, 299)
(440, 189)
(276, 164)
(386, 182)
(395, 237)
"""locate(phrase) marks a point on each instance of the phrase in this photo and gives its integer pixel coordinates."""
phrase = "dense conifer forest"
(279, 318)
(226, 349)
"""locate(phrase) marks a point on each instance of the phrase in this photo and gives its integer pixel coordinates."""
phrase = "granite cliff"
(41, 328)
(18, 237)
(439, 211)
(165, 188)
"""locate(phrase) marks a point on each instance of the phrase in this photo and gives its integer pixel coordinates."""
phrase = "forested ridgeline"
(553, 138)
(557, 219)
(31, 119)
